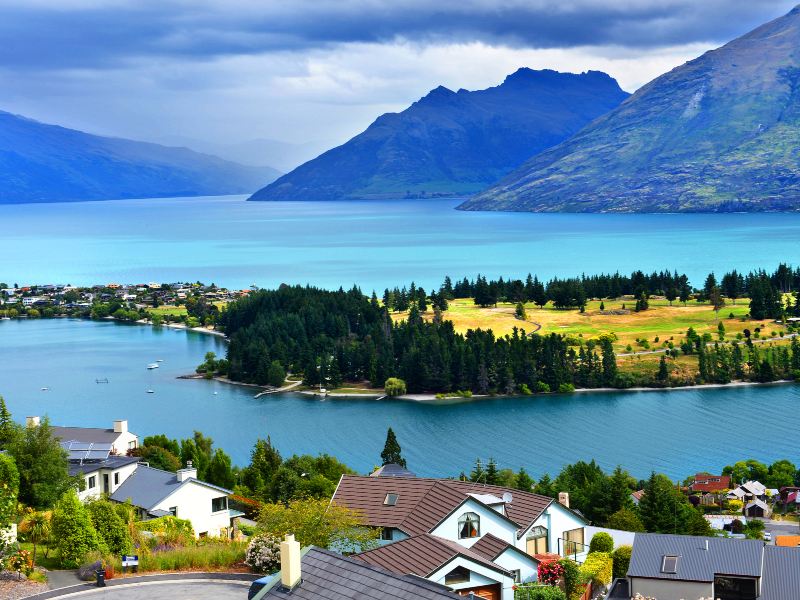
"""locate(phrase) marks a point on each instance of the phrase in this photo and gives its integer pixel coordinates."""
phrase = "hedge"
(538, 592)
(622, 560)
(601, 542)
(598, 568)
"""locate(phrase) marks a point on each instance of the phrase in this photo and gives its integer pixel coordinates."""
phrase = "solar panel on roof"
(97, 455)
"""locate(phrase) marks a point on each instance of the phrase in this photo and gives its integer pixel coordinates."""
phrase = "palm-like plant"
(37, 527)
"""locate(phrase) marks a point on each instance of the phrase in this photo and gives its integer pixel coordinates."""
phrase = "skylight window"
(391, 499)
(669, 564)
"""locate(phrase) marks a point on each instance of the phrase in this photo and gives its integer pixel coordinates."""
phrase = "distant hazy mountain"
(720, 133)
(453, 143)
(47, 163)
(259, 152)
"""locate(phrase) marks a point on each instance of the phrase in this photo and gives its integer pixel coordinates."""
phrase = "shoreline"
(378, 395)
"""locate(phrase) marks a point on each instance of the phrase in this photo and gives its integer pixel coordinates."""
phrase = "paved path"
(176, 586)
(60, 579)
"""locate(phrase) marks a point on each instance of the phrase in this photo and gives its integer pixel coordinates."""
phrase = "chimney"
(563, 498)
(290, 562)
(32, 421)
(121, 426)
(706, 545)
(188, 473)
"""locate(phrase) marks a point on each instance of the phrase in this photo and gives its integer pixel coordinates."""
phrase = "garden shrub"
(111, 529)
(538, 592)
(566, 388)
(621, 561)
(171, 530)
(263, 554)
(542, 387)
(601, 542)
(598, 568)
(73, 531)
(574, 583)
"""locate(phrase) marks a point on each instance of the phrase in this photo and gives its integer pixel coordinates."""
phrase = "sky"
(224, 72)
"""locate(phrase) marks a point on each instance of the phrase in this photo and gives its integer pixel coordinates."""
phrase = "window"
(469, 526)
(218, 504)
(386, 534)
(457, 575)
(132, 445)
(734, 588)
(92, 482)
(536, 542)
(669, 564)
(116, 478)
(391, 499)
(173, 511)
(573, 541)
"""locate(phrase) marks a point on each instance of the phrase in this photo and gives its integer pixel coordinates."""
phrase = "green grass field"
(662, 321)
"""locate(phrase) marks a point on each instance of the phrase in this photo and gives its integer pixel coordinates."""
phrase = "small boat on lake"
(152, 366)
(150, 392)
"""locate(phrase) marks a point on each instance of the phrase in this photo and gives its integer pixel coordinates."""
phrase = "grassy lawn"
(166, 309)
(668, 323)
(50, 563)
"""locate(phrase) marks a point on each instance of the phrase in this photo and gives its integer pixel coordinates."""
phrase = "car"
(767, 536)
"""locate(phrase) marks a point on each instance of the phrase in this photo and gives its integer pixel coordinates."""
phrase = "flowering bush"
(21, 562)
(263, 554)
(550, 572)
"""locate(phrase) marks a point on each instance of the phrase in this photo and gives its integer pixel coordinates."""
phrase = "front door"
(105, 483)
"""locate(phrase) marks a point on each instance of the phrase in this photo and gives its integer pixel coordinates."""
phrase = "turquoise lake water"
(374, 244)
(675, 432)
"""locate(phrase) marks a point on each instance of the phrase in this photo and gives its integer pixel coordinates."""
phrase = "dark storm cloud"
(54, 34)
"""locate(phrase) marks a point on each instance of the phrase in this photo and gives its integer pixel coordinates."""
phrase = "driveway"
(781, 528)
(184, 586)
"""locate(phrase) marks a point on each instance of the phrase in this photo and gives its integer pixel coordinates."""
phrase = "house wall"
(666, 589)
(193, 502)
(491, 522)
(97, 491)
(557, 519)
(479, 576)
(124, 442)
(512, 560)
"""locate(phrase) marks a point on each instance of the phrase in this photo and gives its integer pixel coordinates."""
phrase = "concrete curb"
(89, 586)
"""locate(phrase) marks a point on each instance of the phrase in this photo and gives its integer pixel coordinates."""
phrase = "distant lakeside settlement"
(468, 339)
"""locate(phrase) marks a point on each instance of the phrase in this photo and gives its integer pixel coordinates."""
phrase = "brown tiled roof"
(422, 555)
(422, 503)
(490, 546)
(706, 483)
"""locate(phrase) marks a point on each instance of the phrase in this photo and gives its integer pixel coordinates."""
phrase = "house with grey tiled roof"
(314, 573)
(156, 493)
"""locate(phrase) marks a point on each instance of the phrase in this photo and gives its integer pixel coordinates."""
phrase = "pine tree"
(523, 481)
(491, 473)
(477, 473)
(8, 428)
(663, 372)
(391, 450)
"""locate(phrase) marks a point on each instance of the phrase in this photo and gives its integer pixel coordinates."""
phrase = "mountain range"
(718, 134)
(453, 143)
(48, 163)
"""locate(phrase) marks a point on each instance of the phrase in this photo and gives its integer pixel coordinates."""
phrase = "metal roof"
(111, 463)
(85, 434)
(147, 486)
(781, 579)
(423, 554)
(724, 556)
(332, 576)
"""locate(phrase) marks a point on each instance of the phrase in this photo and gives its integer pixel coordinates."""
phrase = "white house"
(157, 493)
(102, 472)
(118, 437)
(495, 536)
